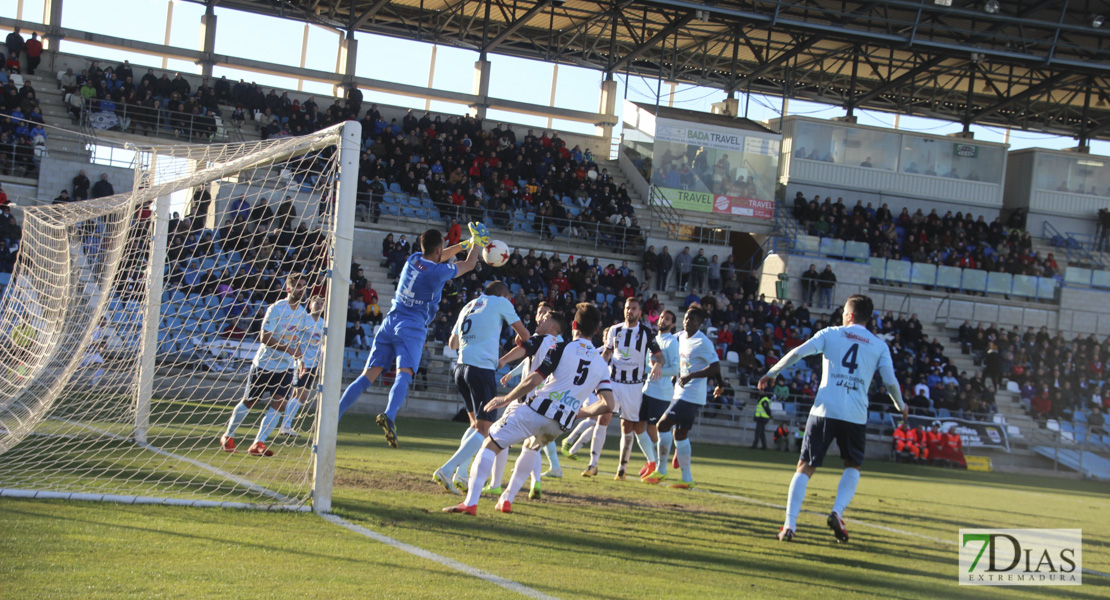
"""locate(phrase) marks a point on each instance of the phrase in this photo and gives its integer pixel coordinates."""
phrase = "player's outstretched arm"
(467, 265)
(602, 407)
(526, 385)
(813, 346)
(893, 387)
(512, 356)
(522, 334)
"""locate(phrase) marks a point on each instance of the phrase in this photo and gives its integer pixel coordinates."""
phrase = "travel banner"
(744, 207)
(686, 200)
(977, 434)
(721, 138)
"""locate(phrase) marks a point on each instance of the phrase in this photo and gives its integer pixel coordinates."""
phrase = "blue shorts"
(399, 343)
(822, 431)
(684, 414)
(477, 386)
(262, 383)
(652, 409)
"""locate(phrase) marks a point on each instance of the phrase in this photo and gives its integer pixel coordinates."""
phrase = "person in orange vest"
(932, 444)
(782, 436)
(953, 449)
(905, 442)
(917, 437)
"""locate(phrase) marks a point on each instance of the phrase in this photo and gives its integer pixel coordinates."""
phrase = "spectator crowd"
(954, 240)
(22, 126)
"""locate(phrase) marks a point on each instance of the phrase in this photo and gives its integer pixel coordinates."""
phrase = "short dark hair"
(430, 241)
(674, 317)
(560, 321)
(697, 313)
(633, 299)
(588, 318)
(496, 288)
(861, 308)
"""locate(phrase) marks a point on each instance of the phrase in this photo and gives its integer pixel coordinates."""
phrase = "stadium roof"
(1042, 65)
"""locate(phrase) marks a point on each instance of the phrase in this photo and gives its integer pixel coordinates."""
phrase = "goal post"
(130, 322)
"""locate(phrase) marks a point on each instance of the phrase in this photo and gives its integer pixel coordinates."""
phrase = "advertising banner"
(744, 207)
(975, 434)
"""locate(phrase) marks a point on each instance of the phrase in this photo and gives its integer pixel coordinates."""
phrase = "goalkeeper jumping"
(400, 340)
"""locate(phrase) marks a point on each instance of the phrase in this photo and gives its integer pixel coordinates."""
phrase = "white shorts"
(521, 423)
(628, 397)
(92, 359)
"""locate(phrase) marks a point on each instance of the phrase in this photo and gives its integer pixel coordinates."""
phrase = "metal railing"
(1074, 251)
(672, 226)
(161, 122)
(559, 233)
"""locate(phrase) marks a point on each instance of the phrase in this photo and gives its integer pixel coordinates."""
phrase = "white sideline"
(512, 586)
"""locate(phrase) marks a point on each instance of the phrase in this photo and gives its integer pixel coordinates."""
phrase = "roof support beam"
(652, 41)
(906, 77)
(516, 25)
(1029, 92)
(370, 12)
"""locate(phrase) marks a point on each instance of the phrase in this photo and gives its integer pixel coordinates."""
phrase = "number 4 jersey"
(852, 355)
(572, 371)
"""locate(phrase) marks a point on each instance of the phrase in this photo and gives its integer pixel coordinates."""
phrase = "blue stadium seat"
(392, 209)
(395, 188)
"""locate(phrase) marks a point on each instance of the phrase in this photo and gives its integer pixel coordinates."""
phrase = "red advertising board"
(744, 207)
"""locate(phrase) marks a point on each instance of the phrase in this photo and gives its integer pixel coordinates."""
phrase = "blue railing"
(1073, 248)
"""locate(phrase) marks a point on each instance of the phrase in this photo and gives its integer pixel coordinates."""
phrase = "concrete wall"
(56, 174)
(851, 277)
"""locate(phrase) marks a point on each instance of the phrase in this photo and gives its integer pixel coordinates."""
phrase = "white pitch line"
(507, 584)
(859, 522)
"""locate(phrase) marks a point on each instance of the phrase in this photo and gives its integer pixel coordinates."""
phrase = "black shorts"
(262, 383)
(477, 386)
(822, 432)
(684, 414)
(308, 381)
(652, 409)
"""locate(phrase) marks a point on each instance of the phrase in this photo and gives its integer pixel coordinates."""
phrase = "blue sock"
(664, 453)
(551, 451)
(683, 450)
(468, 447)
(352, 393)
(397, 394)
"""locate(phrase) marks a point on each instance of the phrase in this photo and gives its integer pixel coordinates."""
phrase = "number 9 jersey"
(852, 355)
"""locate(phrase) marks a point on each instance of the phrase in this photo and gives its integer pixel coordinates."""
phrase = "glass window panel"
(1087, 174)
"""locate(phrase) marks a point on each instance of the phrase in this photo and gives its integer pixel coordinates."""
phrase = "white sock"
(684, 452)
(643, 440)
(597, 443)
(237, 415)
(579, 429)
(479, 471)
(551, 451)
(664, 451)
(528, 462)
(846, 490)
(498, 473)
(269, 421)
(469, 445)
(291, 407)
(794, 499)
(589, 426)
(626, 449)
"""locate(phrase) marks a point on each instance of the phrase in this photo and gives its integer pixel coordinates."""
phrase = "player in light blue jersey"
(477, 337)
(698, 362)
(400, 339)
(657, 396)
(312, 336)
(851, 355)
(271, 372)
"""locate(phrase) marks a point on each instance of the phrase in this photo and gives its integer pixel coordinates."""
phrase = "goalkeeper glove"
(478, 233)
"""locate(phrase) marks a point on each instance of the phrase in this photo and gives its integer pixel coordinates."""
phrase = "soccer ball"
(496, 253)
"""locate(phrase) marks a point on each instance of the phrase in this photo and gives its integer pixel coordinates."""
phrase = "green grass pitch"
(587, 538)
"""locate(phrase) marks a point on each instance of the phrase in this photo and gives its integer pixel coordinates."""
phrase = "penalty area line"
(450, 563)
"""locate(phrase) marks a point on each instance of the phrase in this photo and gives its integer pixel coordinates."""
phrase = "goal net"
(130, 322)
